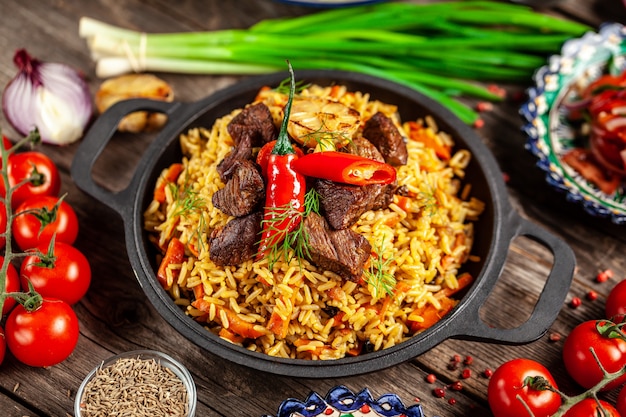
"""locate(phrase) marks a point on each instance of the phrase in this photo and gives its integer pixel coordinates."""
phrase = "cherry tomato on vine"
(43, 337)
(510, 381)
(45, 176)
(3, 346)
(579, 361)
(590, 408)
(12, 284)
(26, 227)
(616, 301)
(66, 275)
(6, 142)
(3, 224)
(620, 403)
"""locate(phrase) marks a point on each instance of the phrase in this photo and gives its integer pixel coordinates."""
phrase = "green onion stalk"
(440, 49)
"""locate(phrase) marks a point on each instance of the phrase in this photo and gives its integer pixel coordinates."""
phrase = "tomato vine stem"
(570, 401)
(33, 138)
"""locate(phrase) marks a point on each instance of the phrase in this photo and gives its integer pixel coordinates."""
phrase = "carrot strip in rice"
(170, 176)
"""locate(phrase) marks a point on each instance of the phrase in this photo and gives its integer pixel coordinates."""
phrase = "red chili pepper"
(346, 168)
(285, 188)
(262, 158)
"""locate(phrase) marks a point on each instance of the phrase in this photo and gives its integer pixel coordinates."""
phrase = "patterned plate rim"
(342, 401)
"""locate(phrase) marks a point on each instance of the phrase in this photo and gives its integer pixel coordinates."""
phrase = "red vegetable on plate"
(602, 105)
(607, 108)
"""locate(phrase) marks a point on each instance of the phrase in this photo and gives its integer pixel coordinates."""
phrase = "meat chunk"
(243, 191)
(383, 133)
(256, 122)
(235, 243)
(343, 252)
(363, 147)
(241, 152)
(343, 204)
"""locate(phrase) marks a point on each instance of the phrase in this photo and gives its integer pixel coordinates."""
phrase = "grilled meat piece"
(343, 204)
(241, 152)
(256, 122)
(343, 252)
(383, 133)
(236, 241)
(243, 192)
(363, 147)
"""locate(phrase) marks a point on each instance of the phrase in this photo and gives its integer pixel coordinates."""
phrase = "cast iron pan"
(498, 225)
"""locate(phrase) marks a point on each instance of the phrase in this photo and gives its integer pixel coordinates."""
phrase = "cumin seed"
(135, 387)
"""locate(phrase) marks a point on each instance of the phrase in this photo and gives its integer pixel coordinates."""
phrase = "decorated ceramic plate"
(549, 126)
(341, 402)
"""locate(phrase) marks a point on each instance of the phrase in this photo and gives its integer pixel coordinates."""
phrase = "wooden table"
(115, 316)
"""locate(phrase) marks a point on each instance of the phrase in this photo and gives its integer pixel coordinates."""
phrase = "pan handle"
(96, 140)
(550, 300)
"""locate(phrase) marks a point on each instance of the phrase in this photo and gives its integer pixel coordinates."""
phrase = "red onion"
(50, 96)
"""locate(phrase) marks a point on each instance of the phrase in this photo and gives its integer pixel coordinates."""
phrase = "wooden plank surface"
(115, 316)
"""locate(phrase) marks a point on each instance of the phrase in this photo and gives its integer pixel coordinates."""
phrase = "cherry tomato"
(46, 179)
(580, 363)
(43, 337)
(620, 403)
(508, 382)
(3, 224)
(3, 346)
(616, 301)
(12, 284)
(66, 277)
(590, 408)
(26, 227)
(6, 142)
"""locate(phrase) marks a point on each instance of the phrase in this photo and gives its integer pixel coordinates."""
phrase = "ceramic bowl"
(161, 358)
(550, 132)
(342, 401)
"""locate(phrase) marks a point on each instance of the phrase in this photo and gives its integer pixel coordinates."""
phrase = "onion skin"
(49, 96)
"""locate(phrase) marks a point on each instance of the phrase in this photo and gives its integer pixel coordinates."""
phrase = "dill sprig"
(294, 243)
(285, 84)
(187, 201)
(378, 275)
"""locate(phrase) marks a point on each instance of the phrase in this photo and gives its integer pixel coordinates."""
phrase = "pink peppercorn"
(439, 392)
(575, 302)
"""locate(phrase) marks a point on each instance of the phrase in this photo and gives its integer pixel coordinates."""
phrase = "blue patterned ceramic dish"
(340, 402)
(550, 134)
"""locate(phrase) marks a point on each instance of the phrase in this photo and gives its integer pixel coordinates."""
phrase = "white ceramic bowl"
(161, 358)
